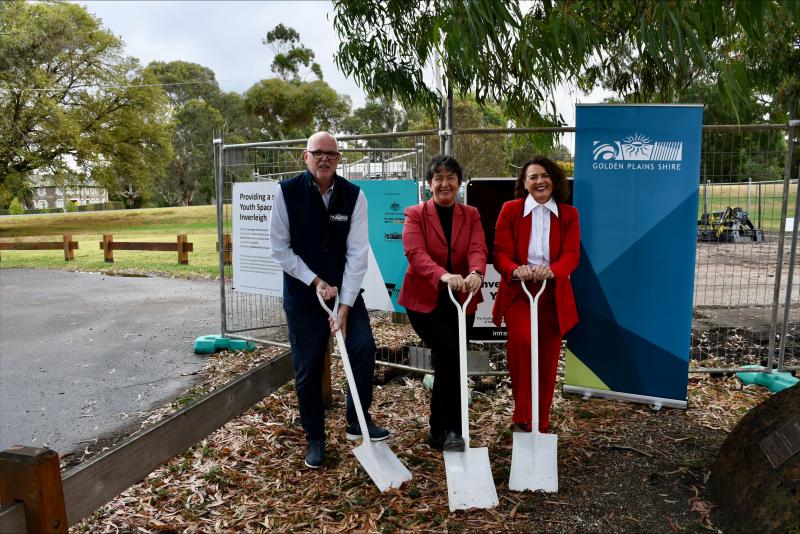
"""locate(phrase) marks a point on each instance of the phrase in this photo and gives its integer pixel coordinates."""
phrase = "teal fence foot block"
(427, 382)
(774, 381)
(213, 343)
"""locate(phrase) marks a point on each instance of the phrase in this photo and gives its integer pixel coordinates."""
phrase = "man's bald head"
(322, 156)
(321, 138)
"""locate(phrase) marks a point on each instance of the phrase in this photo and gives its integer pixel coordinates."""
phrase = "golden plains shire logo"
(637, 147)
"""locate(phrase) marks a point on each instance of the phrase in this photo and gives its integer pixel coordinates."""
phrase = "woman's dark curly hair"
(448, 163)
(560, 191)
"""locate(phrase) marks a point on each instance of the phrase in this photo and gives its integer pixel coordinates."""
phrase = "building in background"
(48, 195)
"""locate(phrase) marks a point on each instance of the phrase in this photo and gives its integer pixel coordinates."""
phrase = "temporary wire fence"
(744, 280)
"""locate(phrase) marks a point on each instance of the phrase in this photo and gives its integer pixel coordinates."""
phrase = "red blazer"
(426, 249)
(512, 235)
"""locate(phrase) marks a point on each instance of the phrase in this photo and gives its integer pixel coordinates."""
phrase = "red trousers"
(518, 349)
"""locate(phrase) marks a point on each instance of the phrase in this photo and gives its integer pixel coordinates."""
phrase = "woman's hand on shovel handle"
(473, 282)
(455, 281)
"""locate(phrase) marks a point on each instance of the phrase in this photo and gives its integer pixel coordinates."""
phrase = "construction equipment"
(377, 459)
(534, 464)
(729, 226)
(469, 476)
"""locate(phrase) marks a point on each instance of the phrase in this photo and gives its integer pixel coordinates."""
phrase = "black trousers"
(438, 329)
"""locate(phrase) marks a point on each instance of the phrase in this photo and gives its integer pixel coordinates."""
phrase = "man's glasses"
(319, 154)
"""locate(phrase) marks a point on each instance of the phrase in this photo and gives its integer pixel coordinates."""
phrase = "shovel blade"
(469, 479)
(381, 464)
(534, 462)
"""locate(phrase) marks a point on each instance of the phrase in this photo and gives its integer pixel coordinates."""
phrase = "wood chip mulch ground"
(622, 467)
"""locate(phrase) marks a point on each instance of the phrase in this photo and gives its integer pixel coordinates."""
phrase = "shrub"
(16, 207)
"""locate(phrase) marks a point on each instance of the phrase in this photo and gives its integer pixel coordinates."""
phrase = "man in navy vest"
(318, 234)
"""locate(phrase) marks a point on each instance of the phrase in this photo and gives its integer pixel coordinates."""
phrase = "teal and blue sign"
(386, 201)
(636, 188)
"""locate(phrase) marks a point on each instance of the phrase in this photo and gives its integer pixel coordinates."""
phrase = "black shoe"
(453, 442)
(436, 440)
(376, 433)
(315, 454)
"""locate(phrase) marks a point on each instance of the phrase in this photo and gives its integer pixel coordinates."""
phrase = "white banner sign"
(254, 270)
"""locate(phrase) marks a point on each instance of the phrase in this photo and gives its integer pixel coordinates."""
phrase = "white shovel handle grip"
(533, 300)
(334, 313)
(461, 308)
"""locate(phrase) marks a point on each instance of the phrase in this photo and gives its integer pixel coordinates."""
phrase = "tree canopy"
(72, 104)
(290, 53)
(284, 110)
(500, 52)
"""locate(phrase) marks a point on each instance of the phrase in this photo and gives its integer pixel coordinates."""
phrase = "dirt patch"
(622, 468)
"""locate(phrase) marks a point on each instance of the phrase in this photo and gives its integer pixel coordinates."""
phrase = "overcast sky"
(226, 37)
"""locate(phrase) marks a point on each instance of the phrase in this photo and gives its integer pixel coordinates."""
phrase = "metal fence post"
(218, 177)
(793, 253)
(781, 238)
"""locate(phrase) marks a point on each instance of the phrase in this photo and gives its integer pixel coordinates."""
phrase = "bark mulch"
(622, 467)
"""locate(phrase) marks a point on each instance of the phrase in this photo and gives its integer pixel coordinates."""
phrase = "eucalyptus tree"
(519, 54)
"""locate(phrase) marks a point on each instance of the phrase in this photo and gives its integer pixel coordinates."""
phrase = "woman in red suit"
(537, 237)
(445, 246)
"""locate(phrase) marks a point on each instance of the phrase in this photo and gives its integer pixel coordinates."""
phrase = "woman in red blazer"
(537, 237)
(445, 246)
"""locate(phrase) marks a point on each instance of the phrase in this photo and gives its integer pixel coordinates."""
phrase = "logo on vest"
(339, 217)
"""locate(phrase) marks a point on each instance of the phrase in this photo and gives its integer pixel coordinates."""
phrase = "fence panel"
(740, 291)
(741, 274)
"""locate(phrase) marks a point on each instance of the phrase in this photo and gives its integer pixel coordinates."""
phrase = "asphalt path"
(86, 355)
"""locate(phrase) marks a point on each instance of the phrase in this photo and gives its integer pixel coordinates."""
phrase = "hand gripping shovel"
(534, 463)
(469, 475)
(377, 459)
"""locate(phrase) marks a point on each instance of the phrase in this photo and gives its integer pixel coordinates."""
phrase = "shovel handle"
(462, 363)
(351, 381)
(534, 303)
(333, 312)
(461, 308)
(533, 300)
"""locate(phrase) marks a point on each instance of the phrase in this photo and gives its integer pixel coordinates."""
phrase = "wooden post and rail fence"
(67, 245)
(182, 246)
(36, 497)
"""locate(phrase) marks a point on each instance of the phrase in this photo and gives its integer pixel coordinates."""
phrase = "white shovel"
(534, 464)
(377, 459)
(469, 475)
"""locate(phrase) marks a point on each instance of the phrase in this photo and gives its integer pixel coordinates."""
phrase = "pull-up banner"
(637, 171)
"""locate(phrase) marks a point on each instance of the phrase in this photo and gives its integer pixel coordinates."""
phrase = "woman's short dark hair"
(447, 163)
(557, 175)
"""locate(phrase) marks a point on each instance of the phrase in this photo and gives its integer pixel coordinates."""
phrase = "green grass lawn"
(200, 224)
(771, 196)
(159, 224)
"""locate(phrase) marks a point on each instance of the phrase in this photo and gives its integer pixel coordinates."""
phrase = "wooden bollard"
(183, 250)
(227, 242)
(108, 250)
(69, 246)
(33, 476)
(227, 249)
